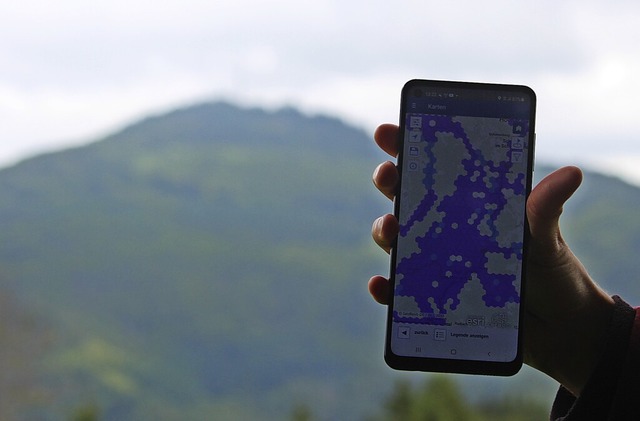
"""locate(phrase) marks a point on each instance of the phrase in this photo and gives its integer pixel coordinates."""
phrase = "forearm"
(608, 393)
(588, 339)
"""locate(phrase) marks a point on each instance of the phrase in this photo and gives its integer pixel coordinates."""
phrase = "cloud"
(72, 69)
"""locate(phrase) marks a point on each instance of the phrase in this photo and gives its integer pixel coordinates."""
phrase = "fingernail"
(375, 173)
(377, 225)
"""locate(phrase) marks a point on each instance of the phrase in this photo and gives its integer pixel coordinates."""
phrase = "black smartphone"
(457, 268)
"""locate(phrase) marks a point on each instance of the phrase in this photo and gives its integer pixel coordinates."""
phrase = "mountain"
(211, 263)
(200, 257)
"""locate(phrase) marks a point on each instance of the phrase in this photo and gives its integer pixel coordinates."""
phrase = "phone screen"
(457, 268)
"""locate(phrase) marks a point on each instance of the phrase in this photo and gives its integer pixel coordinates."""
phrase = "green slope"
(215, 252)
(211, 263)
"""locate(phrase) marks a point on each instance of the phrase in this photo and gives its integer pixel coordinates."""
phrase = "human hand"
(566, 313)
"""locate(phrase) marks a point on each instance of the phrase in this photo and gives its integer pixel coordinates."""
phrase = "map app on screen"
(458, 261)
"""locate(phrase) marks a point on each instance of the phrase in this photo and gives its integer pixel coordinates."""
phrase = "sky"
(72, 71)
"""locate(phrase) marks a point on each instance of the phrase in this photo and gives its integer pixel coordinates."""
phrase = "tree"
(439, 399)
(23, 341)
(399, 404)
(301, 412)
(86, 413)
(513, 409)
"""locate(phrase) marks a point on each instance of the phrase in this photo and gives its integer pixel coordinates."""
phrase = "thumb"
(545, 203)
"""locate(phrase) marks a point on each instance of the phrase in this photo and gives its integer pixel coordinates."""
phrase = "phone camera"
(417, 93)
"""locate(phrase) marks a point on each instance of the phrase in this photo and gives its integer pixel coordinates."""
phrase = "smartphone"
(457, 268)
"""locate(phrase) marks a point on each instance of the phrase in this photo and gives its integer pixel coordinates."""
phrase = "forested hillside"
(211, 263)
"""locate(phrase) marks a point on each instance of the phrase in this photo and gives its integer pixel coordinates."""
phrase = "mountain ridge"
(213, 260)
(156, 239)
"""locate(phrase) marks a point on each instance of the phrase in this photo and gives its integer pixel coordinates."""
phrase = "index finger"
(386, 136)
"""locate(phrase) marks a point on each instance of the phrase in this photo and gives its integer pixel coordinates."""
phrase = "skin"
(567, 313)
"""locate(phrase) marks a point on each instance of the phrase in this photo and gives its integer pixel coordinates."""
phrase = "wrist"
(611, 380)
(587, 340)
